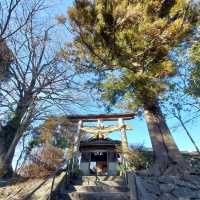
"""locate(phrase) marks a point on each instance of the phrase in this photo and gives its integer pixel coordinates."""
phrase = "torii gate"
(100, 131)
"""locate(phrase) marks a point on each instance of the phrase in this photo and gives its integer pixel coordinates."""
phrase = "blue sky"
(139, 135)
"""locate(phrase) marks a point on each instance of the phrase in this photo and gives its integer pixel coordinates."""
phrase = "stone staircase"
(107, 187)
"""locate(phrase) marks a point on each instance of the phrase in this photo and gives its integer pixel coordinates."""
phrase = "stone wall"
(192, 157)
(166, 188)
(172, 188)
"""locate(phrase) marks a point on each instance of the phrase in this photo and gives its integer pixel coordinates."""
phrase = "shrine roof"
(105, 117)
(94, 141)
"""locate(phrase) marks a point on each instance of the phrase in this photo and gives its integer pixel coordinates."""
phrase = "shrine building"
(99, 154)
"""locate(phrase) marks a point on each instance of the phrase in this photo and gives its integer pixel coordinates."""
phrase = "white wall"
(112, 168)
(84, 167)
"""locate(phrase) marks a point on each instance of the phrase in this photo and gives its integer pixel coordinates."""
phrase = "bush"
(42, 161)
(77, 173)
(138, 158)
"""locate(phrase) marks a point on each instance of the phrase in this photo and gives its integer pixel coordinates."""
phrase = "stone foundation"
(167, 188)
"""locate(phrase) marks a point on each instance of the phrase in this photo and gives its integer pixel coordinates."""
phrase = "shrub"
(138, 158)
(42, 161)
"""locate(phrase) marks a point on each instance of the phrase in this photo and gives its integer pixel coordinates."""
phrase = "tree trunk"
(10, 135)
(168, 159)
(188, 133)
(5, 142)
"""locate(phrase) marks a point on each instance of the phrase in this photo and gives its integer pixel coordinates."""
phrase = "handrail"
(67, 175)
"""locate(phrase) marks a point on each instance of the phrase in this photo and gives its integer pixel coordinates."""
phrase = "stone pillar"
(77, 143)
(124, 139)
(100, 125)
(132, 185)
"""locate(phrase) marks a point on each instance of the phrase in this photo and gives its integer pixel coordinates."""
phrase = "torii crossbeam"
(104, 117)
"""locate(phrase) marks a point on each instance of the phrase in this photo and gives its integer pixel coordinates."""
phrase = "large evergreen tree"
(194, 80)
(133, 38)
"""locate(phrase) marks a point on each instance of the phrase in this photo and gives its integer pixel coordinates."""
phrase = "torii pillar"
(124, 139)
(77, 142)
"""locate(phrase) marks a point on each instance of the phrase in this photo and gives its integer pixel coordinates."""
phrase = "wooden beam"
(104, 117)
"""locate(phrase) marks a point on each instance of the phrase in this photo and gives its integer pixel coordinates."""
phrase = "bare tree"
(182, 106)
(14, 15)
(178, 116)
(40, 81)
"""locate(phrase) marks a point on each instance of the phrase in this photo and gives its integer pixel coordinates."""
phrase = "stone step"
(108, 183)
(103, 178)
(99, 196)
(101, 188)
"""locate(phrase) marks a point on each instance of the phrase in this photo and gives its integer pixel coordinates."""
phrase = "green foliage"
(194, 80)
(139, 158)
(132, 38)
(122, 169)
(77, 173)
